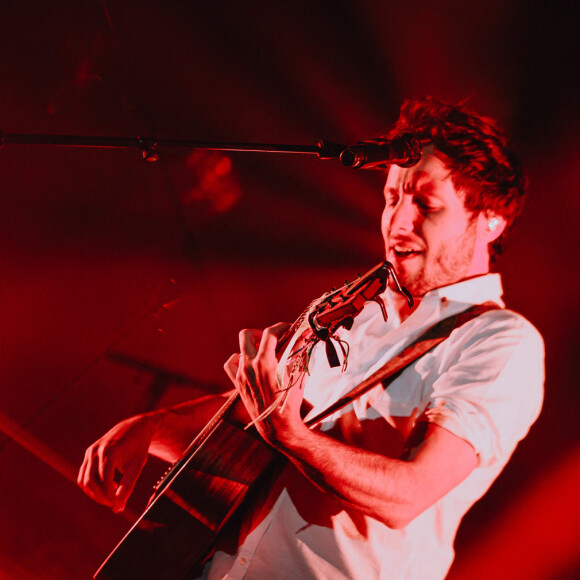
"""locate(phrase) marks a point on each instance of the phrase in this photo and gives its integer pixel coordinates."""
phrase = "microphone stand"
(150, 147)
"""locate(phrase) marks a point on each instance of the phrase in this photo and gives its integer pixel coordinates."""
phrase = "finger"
(84, 476)
(89, 492)
(99, 476)
(231, 367)
(126, 485)
(278, 330)
(107, 467)
(249, 341)
(97, 487)
(82, 471)
(89, 480)
(270, 338)
(245, 377)
(246, 383)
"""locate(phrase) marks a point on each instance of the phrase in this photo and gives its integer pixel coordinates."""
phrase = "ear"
(492, 225)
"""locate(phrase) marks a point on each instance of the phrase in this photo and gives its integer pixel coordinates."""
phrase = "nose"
(403, 215)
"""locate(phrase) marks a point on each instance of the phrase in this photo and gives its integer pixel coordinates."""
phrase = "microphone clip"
(403, 150)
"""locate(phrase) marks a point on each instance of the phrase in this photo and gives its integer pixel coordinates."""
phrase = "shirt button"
(243, 561)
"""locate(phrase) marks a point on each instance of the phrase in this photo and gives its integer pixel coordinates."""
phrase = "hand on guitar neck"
(253, 373)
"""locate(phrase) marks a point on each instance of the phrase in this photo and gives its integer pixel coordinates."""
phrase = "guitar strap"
(393, 368)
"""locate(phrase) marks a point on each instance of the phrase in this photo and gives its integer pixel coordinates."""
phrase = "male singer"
(379, 490)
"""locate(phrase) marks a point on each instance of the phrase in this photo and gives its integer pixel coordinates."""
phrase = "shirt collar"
(452, 299)
(472, 291)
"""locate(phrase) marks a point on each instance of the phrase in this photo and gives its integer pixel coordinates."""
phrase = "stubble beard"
(450, 264)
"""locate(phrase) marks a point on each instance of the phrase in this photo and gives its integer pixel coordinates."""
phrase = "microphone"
(404, 150)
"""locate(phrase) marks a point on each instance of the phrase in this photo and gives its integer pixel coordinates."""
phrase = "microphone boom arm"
(150, 146)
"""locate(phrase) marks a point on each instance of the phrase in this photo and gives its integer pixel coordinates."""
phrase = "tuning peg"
(381, 303)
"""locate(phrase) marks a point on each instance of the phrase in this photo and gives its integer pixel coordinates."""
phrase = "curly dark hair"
(481, 162)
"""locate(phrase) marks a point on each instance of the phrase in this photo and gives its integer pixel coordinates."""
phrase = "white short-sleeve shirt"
(484, 384)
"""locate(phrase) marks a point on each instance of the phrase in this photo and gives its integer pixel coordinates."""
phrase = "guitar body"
(178, 529)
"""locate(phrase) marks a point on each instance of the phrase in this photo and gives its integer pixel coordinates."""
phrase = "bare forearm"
(173, 429)
(391, 490)
(382, 487)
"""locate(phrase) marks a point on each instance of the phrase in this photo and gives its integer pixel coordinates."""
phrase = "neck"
(401, 306)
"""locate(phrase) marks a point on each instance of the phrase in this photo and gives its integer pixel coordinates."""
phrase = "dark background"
(90, 239)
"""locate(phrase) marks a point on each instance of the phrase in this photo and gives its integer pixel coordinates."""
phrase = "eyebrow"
(425, 188)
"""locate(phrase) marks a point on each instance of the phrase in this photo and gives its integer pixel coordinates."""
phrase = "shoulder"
(490, 376)
(499, 347)
(502, 327)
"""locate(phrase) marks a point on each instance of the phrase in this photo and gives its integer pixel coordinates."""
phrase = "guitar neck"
(234, 396)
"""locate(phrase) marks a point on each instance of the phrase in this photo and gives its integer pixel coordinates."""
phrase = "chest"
(381, 419)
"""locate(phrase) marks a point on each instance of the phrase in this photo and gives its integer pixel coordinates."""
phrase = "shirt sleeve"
(489, 388)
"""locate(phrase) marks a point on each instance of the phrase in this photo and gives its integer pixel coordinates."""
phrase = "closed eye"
(425, 206)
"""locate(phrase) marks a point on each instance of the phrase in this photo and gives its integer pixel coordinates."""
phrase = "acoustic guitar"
(200, 493)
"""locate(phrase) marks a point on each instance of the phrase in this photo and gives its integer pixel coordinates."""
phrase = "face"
(431, 239)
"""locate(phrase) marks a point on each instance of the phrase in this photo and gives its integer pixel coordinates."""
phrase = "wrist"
(289, 436)
(153, 423)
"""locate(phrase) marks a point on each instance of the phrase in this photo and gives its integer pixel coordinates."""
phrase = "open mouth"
(405, 252)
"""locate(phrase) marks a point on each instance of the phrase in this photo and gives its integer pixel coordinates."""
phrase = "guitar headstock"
(340, 307)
